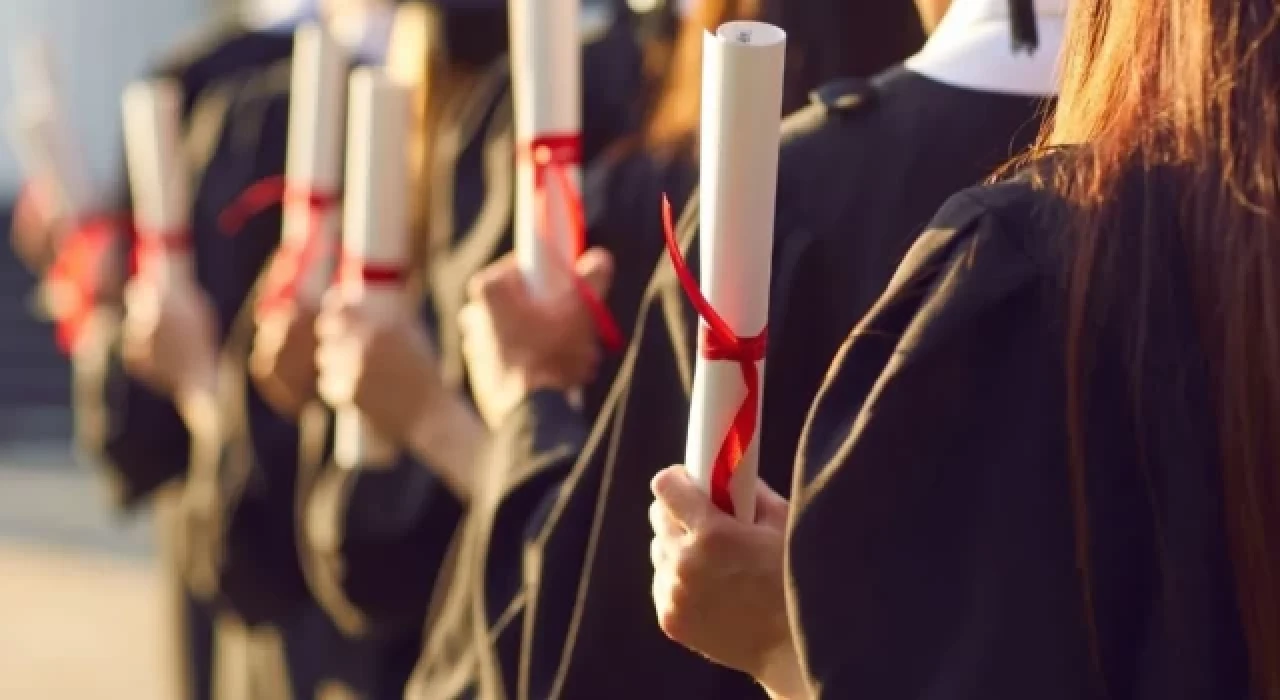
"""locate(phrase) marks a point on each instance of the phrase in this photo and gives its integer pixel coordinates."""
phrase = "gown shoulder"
(975, 560)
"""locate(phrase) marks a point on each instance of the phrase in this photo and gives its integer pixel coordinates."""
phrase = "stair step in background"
(34, 376)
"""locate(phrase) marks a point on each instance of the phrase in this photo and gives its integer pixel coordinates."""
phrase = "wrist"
(781, 676)
(447, 435)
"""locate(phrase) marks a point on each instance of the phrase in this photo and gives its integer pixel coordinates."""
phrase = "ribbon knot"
(151, 246)
(718, 342)
(74, 277)
(552, 155)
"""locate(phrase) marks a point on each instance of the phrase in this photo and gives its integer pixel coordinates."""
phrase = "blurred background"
(62, 553)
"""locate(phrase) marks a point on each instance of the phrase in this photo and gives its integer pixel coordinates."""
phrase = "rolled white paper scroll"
(313, 168)
(375, 235)
(160, 180)
(408, 47)
(34, 77)
(546, 78)
(741, 116)
(49, 153)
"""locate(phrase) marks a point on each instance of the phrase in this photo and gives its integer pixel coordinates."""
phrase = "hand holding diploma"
(170, 336)
(371, 306)
(282, 362)
(379, 362)
(546, 79)
(516, 343)
(718, 582)
(58, 228)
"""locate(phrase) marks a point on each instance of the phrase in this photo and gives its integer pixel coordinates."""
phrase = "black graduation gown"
(135, 433)
(933, 540)
(873, 158)
(479, 620)
(384, 535)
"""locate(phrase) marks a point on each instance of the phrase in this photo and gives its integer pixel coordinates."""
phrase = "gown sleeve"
(377, 540)
(932, 543)
(132, 432)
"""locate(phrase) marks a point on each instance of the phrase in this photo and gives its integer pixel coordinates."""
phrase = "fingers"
(340, 319)
(336, 377)
(664, 525)
(472, 319)
(595, 267)
(498, 283)
(682, 498)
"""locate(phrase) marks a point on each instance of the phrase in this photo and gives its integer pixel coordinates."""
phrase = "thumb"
(595, 267)
(677, 492)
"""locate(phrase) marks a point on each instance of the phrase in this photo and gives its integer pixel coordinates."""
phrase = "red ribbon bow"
(292, 259)
(552, 156)
(74, 276)
(717, 341)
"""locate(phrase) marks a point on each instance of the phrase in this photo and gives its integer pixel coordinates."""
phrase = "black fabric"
(935, 466)
(375, 541)
(880, 171)
(820, 47)
(1026, 36)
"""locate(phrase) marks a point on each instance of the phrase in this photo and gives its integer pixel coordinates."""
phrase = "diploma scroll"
(546, 77)
(741, 118)
(43, 141)
(160, 180)
(375, 236)
(34, 76)
(304, 264)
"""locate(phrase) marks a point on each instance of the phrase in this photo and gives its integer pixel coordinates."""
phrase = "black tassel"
(1022, 13)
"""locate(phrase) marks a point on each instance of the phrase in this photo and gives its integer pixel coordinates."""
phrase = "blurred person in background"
(234, 543)
(128, 424)
(878, 154)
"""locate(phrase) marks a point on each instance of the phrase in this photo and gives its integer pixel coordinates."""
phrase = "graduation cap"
(1022, 14)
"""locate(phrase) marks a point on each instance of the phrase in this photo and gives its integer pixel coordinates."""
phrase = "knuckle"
(711, 541)
(673, 613)
(689, 562)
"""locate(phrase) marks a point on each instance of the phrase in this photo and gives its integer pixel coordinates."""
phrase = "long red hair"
(1192, 86)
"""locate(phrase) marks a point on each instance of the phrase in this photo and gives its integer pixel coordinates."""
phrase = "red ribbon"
(552, 155)
(369, 273)
(293, 259)
(76, 269)
(76, 272)
(151, 246)
(717, 341)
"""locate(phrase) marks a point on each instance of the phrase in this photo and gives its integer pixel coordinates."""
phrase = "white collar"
(280, 15)
(972, 48)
